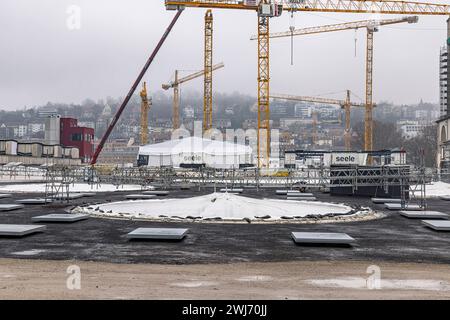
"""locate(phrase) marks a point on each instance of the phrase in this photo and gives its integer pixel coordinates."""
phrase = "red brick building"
(80, 137)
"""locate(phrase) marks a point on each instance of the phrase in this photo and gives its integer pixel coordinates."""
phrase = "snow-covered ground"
(21, 178)
(437, 189)
(218, 205)
(77, 187)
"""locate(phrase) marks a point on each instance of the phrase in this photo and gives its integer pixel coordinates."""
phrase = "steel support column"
(208, 64)
(263, 134)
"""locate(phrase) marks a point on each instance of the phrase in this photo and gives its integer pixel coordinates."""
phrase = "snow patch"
(386, 284)
(220, 206)
(32, 252)
(437, 189)
(194, 284)
(77, 187)
(255, 278)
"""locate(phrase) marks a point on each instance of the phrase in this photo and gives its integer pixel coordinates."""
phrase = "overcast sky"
(42, 60)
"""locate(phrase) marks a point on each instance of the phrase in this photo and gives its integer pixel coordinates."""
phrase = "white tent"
(195, 151)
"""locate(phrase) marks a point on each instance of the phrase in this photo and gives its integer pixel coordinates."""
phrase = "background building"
(443, 77)
(443, 153)
(80, 137)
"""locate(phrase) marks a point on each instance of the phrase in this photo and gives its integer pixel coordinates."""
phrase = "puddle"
(194, 284)
(32, 252)
(386, 284)
(255, 278)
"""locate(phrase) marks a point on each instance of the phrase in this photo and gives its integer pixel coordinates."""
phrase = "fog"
(42, 59)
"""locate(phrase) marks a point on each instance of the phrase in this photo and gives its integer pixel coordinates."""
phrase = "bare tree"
(385, 136)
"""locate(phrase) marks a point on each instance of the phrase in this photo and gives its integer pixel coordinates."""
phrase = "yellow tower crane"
(344, 104)
(145, 107)
(207, 94)
(371, 27)
(176, 91)
(267, 9)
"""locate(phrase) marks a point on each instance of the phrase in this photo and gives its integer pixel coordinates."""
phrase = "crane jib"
(343, 6)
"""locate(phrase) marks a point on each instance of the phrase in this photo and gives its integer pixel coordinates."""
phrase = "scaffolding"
(59, 178)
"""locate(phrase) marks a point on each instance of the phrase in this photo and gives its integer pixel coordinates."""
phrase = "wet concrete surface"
(391, 239)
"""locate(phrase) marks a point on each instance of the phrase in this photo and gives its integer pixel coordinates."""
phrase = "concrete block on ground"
(157, 192)
(10, 207)
(424, 214)
(34, 201)
(386, 200)
(398, 206)
(60, 217)
(438, 225)
(140, 196)
(19, 230)
(158, 233)
(321, 238)
(302, 198)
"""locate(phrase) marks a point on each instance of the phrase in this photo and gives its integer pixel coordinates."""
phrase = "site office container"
(2, 147)
(11, 147)
(75, 153)
(57, 151)
(48, 151)
(29, 149)
(24, 149)
(70, 152)
(36, 150)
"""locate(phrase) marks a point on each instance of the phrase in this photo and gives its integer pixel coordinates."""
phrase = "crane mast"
(145, 107)
(263, 133)
(368, 118)
(176, 103)
(207, 95)
(347, 133)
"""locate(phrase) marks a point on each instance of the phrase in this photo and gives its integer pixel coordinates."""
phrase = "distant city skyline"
(46, 58)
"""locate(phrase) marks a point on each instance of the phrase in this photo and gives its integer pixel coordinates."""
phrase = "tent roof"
(195, 145)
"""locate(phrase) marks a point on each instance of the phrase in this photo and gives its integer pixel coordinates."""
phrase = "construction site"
(206, 211)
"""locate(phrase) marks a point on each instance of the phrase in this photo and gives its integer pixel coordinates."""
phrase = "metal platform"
(237, 190)
(88, 194)
(386, 200)
(19, 230)
(438, 225)
(158, 233)
(10, 207)
(398, 206)
(321, 238)
(60, 218)
(300, 194)
(5, 195)
(140, 196)
(424, 214)
(34, 201)
(157, 192)
(70, 196)
(302, 198)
